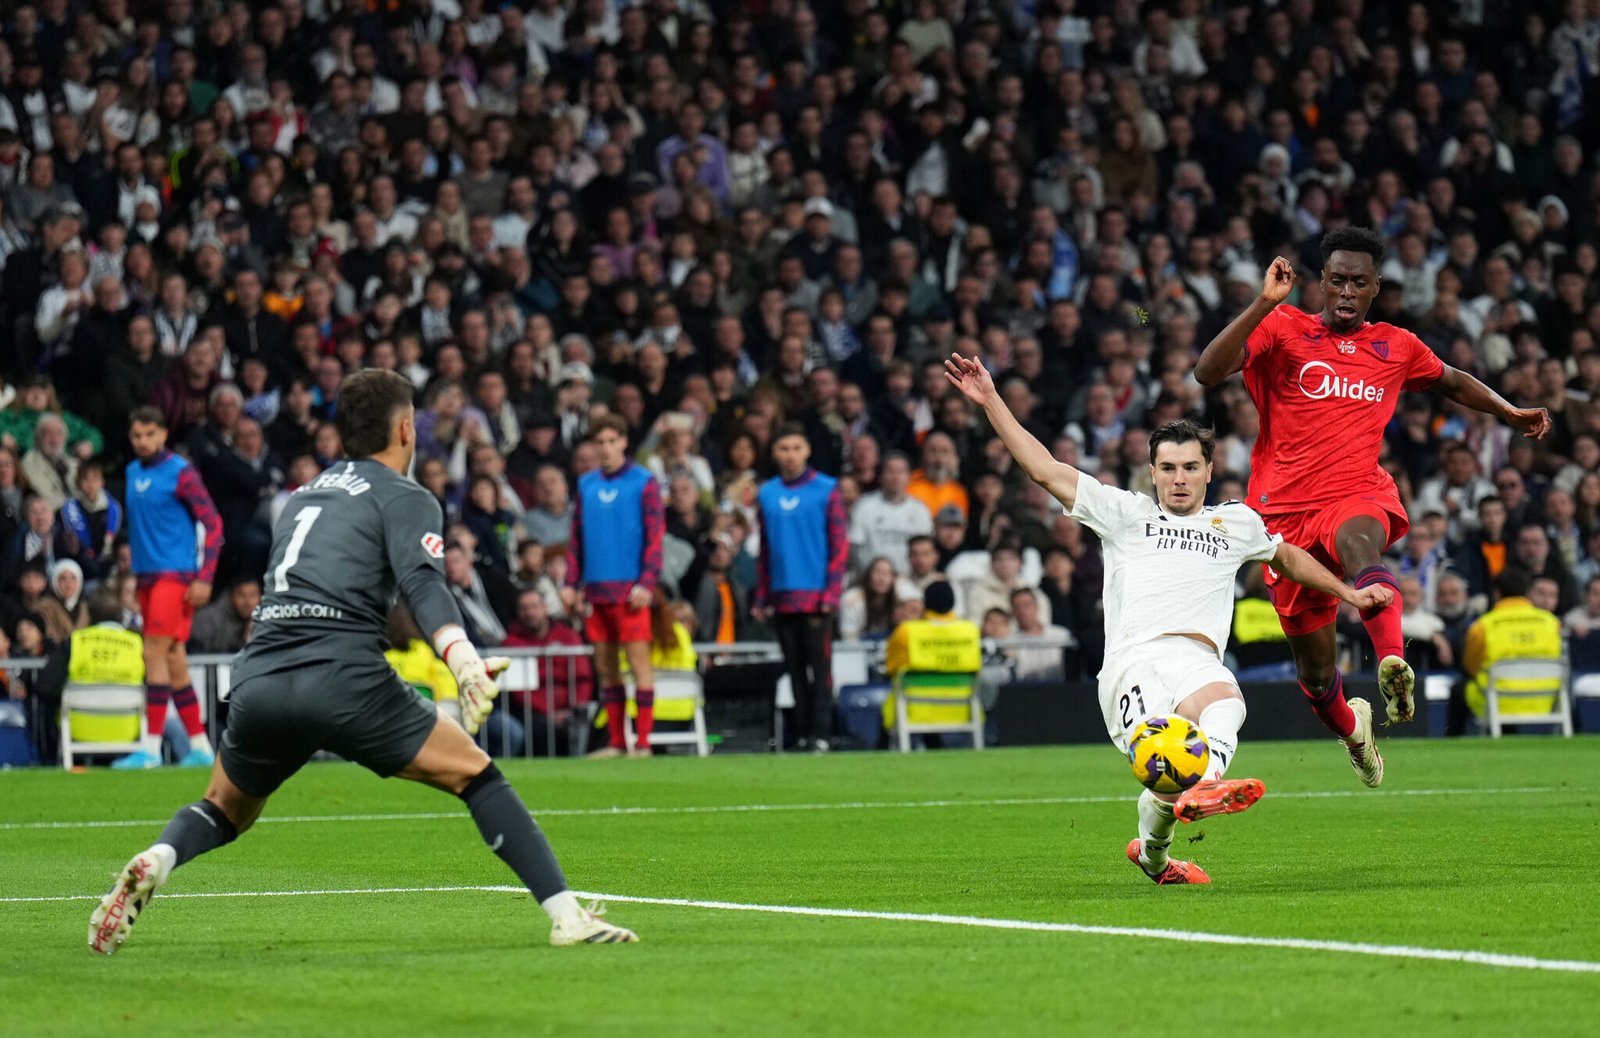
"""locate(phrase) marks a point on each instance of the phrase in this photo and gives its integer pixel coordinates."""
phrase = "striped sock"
(645, 722)
(188, 706)
(156, 698)
(615, 700)
(1331, 708)
(1383, 625)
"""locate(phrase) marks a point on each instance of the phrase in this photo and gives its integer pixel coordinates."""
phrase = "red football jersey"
(1324, 400)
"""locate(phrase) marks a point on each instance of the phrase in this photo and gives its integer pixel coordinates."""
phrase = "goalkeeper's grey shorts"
(361, 712)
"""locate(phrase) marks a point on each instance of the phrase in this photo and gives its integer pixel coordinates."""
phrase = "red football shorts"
(166, 614)
(1300, 609)
(615, 622)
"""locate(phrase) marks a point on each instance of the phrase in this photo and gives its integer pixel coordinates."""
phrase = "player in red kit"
(1326, 386)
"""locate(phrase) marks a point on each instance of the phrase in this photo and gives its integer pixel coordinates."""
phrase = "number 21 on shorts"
(304, 520)
(1131, 700)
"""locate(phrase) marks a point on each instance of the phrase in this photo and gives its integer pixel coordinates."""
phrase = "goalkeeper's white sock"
(562, 907)
(1156, 822)
(1221, 722)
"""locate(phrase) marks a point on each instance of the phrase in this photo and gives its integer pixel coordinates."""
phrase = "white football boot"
(138, 882)
(1398, 684)
(589, 927)
(1363, 746)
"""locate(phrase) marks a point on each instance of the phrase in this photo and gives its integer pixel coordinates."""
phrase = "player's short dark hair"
(613, 422)
(368, 401)
(1184, 431)
(921, 538)
(788, 429)
(147, 415)
(1353, 239)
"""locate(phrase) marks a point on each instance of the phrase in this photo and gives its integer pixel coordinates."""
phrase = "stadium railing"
(212, 673)
(531, 668)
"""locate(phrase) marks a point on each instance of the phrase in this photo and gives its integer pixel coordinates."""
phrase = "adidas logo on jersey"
(1318, 381)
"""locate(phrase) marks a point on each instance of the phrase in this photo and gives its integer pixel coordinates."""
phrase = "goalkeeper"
(314, 677)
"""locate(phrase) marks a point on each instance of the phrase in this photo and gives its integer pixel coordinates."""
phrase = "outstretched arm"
(1464, 389)
(1294, 563)
(975, 383)
(1225, 354)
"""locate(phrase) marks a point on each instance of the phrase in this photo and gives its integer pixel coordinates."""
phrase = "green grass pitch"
(1471, 846)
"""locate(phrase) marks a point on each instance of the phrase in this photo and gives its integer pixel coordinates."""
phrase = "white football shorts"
(1152, 678)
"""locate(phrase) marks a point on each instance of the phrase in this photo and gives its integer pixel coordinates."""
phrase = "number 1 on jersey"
(304, 520)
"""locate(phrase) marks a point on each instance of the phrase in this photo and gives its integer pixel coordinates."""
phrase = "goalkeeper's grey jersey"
(343, 545)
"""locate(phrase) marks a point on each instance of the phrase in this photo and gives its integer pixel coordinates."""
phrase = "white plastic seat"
(1522, 671)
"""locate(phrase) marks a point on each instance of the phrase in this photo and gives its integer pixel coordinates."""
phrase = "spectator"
(993, 590)
(867, 609)
(42, 687)
(225, 624)
(183, 395)
(565, 682)
(1582, 620)
(48, 468)
(132, 373)
(883, 522)
(66, 590)
(38, 397)
(12, 490)
(804, 550)
(549, 521)
(39, 539)
(1423, 629)
(237, 484)
(721, 603)
(62, 306)
(482, 596)
(496, 526)
(1041, 663)
(937, 483)
(1456, 492)
(1532, 552)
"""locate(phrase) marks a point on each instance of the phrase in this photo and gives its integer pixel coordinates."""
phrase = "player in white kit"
(1170, 568)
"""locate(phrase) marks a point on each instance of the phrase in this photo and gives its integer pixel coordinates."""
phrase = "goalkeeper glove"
(474, 675)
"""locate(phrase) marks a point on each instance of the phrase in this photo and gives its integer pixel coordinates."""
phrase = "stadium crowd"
(711, 218)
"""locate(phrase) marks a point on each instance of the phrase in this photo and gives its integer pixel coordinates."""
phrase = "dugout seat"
(928, 702)
(1513, 706)
(101, 719)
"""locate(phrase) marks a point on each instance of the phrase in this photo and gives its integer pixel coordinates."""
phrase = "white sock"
(1221, 722)
(151, 744)
(1156, 822)
(562, 907)
(200, 742)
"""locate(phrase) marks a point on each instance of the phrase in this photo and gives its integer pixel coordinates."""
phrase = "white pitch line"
(1393, 951)
(849, 805)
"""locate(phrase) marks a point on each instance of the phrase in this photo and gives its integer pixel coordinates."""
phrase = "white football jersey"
(1169, 574)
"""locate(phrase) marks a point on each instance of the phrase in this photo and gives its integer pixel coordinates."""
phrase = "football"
(1168, 754)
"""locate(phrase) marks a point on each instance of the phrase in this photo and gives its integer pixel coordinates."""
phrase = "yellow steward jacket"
(106, 654)
(1514, 629)
(939, 643)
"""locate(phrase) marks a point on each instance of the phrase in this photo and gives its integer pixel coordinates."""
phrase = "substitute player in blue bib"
(805, 546)
(613, 567)
(314, 675)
